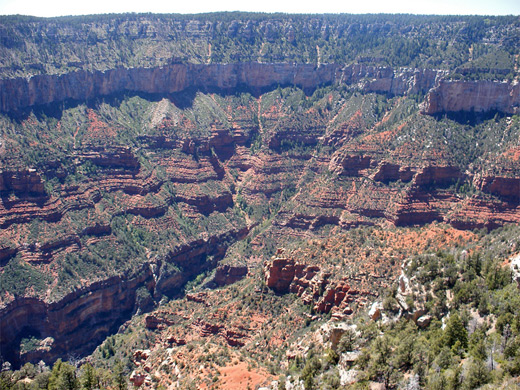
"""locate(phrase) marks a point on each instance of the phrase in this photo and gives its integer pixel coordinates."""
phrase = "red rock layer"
(314, 286)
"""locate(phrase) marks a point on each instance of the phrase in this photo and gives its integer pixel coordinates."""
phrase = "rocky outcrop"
(280, 273)
(206, 204)
(113, 157)
(331, 333)
(366, 189)
(349, 165)
(474, 96)
(314, 285)
(438, 176)
(227, 274)
(515, 268)
(138, 379)
(25, 181)
(398, 82)
(375, 311)
(388, 172)
(231, 336)
(507, 188)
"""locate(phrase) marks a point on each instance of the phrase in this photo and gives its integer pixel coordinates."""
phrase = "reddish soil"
(239, 376)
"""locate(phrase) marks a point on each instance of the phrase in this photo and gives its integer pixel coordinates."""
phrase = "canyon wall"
(75, 324)
(81, 85)
(477, 96)
(19, 93)
(80, 321)
(442, 95)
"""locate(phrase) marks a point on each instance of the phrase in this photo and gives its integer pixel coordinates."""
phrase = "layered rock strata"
(442, 95)
(477, 96)
(217, 176)
(18, 93)
(80, 321)
(316, 287)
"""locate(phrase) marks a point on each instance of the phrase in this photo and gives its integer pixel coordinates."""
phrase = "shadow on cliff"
(470, 118)
(55, 110)
(42, 112)
(183, 100)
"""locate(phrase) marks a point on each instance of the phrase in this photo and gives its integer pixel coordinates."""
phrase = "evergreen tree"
(53, 379)
(119, 380)
(454, 381)
(89, 380)
(477, 375)
(6, 380)
(67, 379)
(455, 334)
(347, 341)
(63, 377)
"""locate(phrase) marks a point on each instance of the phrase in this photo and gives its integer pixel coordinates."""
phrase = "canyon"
(80, 321)
(98, 308)
(124, 185)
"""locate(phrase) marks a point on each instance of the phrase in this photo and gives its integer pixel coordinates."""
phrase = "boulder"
(137, 378)
(332, 332)
(375, 311)
(423, 321)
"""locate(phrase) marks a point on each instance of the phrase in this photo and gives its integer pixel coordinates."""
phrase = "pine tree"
(63, 377)
(477, 375)
(455, 334)
(88, 379)
(67, 379)
(119, 380)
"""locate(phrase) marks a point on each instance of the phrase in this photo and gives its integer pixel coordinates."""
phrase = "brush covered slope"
(190, 156)
(445, 316)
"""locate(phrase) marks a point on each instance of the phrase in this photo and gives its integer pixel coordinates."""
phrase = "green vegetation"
(108, 41)
(294, 127)
(17, 277)
(473, 341)
(64, 376)
(173, 184)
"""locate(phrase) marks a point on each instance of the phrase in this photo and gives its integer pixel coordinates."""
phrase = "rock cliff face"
(22, 182)
(397, 82)
(227, 274)
(79, 322)
(167, 187)
(477, 96)
(19, 93)
(442, 95)
(507, 188)
(43, 89)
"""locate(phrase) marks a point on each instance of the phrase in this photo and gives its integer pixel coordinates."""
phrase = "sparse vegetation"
(130, 202)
